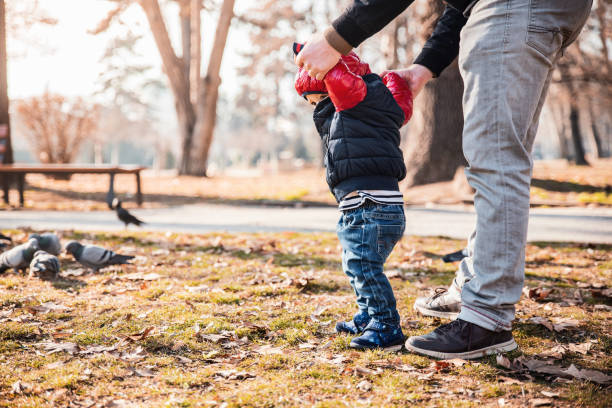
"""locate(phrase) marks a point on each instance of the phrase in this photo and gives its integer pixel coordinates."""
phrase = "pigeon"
(4, 238)
(48, 242)
(18, 257)
(455, 256)
(95, 257)
(123, 214)
(44, 265)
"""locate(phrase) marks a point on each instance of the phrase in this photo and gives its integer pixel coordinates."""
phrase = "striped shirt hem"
(355, 200)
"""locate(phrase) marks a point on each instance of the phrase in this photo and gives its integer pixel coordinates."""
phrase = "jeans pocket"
(546, 41)
(544, 32)
(387, 235)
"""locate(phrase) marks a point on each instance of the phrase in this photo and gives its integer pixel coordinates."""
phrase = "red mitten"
(401, 93)
(304, 84)
(345, 88)
(355, 65)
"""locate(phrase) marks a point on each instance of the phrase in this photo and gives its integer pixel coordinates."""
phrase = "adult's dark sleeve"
(442, 47)
(362, 18)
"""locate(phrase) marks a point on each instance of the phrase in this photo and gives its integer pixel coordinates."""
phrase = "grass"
(272, 300)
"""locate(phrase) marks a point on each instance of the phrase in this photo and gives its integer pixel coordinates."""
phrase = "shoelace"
(449, 326)
(438, 292)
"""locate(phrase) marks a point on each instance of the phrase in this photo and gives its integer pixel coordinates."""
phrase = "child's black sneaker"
(461, 339)
(355, 326)
(379, 336)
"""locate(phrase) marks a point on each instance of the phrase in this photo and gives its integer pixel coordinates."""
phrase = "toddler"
(358, 115)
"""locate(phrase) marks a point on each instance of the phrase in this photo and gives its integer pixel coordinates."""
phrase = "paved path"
(582, 225)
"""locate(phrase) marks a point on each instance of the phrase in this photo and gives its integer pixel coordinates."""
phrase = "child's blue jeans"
(367, 235)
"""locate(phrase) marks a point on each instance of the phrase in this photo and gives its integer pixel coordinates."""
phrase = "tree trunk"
(579, 158)
(599, 153)
(6, 149)
(175, 71)
(434, 148)
(207, 107)
(196, 50)
(434, 143)
(560, 123)
(185, 16)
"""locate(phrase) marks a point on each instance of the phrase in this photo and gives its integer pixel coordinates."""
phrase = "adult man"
(507, 53)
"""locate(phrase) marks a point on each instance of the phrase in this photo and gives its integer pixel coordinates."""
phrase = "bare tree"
(195, 96)
(56, 126)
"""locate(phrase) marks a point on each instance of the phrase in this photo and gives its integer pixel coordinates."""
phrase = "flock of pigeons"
(40, 254)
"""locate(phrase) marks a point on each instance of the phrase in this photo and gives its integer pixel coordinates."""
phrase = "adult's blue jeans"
(367, 235)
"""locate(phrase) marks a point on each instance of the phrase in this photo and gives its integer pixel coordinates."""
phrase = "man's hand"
(416, 76)
(317, 57)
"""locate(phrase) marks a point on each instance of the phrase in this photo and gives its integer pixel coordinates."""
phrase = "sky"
(64, 58)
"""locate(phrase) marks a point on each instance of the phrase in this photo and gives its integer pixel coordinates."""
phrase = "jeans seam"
(499, 143)
(499, 323)
(374, 284)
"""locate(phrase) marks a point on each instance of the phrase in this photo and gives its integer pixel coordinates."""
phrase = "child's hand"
(416, 76)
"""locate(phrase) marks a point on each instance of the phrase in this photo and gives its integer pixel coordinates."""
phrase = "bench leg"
(111, 191)
(20, 187)
(5, 188)
(138, 190)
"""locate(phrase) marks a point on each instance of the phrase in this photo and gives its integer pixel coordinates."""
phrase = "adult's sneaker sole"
(434, 313)
(468, 355)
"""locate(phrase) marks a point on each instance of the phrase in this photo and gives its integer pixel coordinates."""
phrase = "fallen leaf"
(213, 338)
(543, 321)
(425, 377)
(53, 347)
(200, 288)
(508, 380)
(364, 386)
(19, 387)
(457, 362)
(393, 365)
(137, 354)
(540, 402)
(307, 346)
(589, 375)
(184, 360)
(234, 374)
(440, 365)
(99, 349)
(268, 349)
(47, 307)
(503, 361)
(582, 348)
(537, 293)
(72, 272)
(140, 276)
(365, 371)
(556, 352)
(143, 372)
(561, 324)
(140, 336)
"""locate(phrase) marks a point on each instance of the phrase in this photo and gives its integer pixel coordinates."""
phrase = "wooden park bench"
(18, 171)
